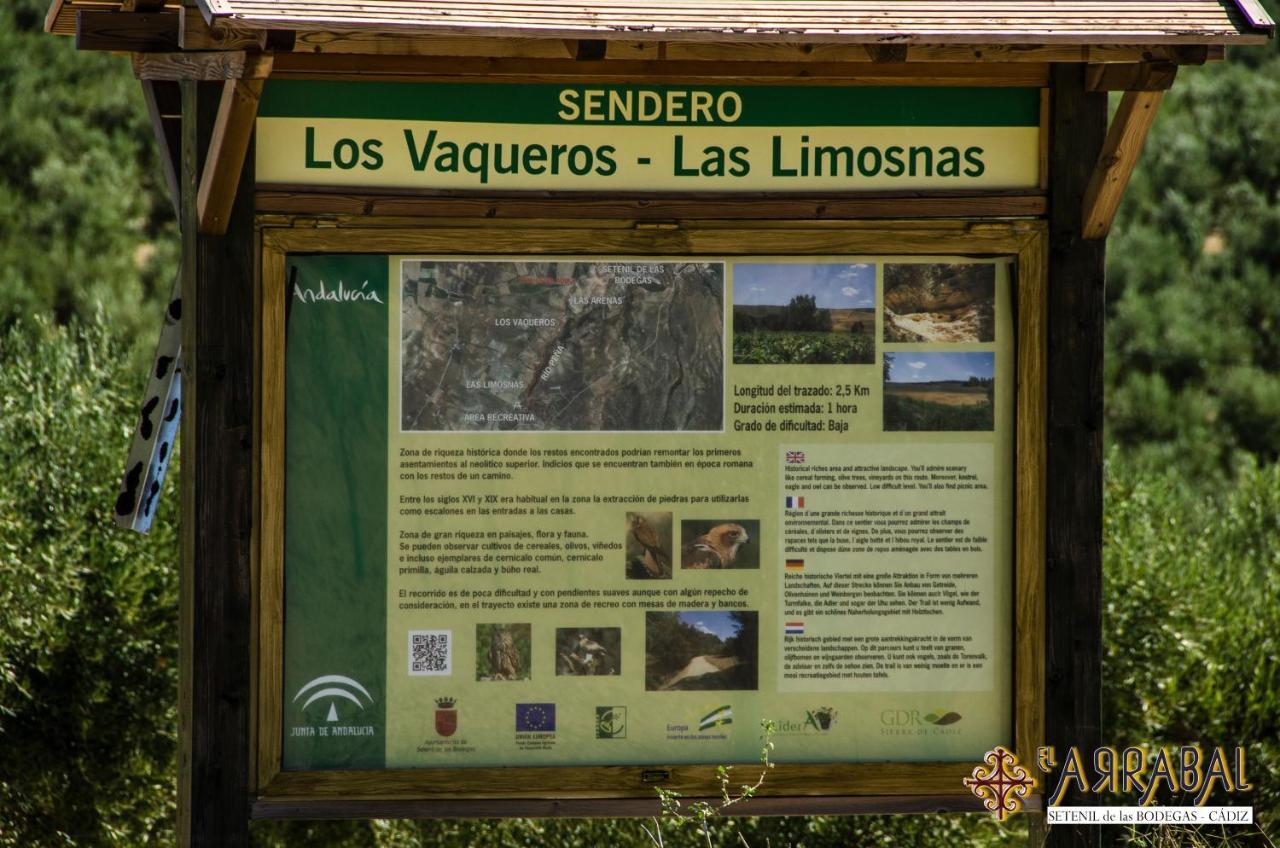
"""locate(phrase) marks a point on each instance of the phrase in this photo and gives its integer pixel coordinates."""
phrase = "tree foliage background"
(88, 631)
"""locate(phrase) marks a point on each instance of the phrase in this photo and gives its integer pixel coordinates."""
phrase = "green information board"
(582, 510)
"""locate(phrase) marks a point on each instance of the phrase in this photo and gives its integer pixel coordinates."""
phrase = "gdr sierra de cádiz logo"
(339, 700)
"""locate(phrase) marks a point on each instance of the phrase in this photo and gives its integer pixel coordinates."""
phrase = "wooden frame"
(624, 790)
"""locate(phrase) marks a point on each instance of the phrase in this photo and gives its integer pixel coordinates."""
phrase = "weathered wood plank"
(1142, 76)
(168, 135)
(715, 51)
(237, 111)
(1073, 493)
(868, 780)
(895, 23)
(1117, 159)
(195, 34)
(135, 33)
(217, 486)
(204, 65)
(597, 808)
(1029, 500)
(480, 68)
(296, 201)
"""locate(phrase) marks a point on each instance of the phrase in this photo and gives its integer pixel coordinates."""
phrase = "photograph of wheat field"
(939, 391)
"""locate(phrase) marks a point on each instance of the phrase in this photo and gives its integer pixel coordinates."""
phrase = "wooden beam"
(167, 128)
(1142, 76)
(372, 208)
(195, 34)
(237, 111)
(132, 33)
(1116, 161)
(206, 66)
(1073, 483)
(1025, 74)
(217, 498)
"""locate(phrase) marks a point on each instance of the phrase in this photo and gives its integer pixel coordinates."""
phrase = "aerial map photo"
(563, 345)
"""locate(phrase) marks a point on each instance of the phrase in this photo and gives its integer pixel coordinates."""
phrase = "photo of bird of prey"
(502, 651)
(648, 545)
(714, 543)
(588, 651)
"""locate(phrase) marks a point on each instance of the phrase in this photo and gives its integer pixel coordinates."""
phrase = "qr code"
(430, 652)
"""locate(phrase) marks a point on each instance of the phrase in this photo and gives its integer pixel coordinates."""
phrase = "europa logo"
(916, 723)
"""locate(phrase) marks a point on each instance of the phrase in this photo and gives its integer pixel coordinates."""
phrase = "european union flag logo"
(535, 718)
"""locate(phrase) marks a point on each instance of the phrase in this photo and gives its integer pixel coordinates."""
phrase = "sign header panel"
(576, 137)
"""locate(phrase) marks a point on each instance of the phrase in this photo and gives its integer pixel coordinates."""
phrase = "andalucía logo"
(446, 716)
(717, 717)
(334, 688)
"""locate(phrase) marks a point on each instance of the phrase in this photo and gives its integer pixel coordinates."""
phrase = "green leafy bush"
(84, 215)
(87, 640)
(1193, 308)
(782, 347)
(1192, 614)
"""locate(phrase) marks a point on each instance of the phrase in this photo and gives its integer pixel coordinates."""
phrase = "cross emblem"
(1002, 784)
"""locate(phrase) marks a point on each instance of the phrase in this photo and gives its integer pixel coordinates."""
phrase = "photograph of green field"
(804, 314)
(939, 391)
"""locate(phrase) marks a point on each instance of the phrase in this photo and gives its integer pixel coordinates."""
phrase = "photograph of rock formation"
(936, 302)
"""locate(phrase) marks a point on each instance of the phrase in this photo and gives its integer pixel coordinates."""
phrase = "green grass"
(1192, 615)
(906, 413)
(786, 347)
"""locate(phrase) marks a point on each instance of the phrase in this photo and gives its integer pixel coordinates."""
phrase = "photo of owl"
(503, 651)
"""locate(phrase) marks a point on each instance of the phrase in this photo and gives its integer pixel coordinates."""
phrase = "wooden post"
(217, 440)
(1073, 492)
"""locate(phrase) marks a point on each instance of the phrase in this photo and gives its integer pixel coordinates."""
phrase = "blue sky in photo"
(719, 624)
(930, 367)
(836, 286)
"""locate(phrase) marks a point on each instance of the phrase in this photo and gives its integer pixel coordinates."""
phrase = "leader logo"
(611, 722)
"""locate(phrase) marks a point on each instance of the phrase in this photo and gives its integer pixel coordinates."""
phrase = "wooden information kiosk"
(572, 386)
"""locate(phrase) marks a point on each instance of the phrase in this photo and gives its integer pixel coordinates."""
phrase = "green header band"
(628, 105)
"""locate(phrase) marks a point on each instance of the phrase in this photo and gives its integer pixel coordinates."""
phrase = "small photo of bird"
(503, 651)
(648, 545)
(588, 651)
(715, 543)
